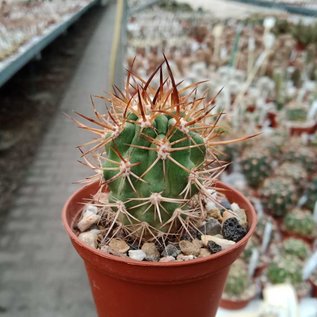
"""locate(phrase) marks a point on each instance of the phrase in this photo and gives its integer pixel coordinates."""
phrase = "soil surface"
(29, 101)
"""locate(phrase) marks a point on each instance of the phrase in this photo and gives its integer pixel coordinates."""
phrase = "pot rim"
(129, 261)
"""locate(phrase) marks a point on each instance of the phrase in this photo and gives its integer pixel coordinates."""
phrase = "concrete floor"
(40, 273)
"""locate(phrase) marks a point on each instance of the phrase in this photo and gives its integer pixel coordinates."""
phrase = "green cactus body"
(285, 270)
(256, 166)
(144, 151)
(282, 26)
(151, 149)
(305, 34)
(296, 247)
(300, 222)
(279, 195)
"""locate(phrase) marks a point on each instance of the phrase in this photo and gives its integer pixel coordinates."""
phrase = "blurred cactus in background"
(279, 194)
(295, 247)
(256, 166)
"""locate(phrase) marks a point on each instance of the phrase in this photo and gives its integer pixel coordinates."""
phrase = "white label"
(254, 260)
(310, 266)
(302, 201)
(266, 236)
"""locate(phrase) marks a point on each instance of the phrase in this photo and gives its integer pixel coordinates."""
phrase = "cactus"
(274, 143)
(297, 114)
(152, 147)
(297, 152)
(305, 34)
(280, 97)
(238, 280)
(282, 26)
(256, 166)
(300, 222)
(294, 171)
(285, 269)
(279, 194)
(295, 247)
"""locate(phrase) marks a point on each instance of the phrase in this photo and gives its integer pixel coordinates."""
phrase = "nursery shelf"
(294, 9)
(142, 6)
(33, 48)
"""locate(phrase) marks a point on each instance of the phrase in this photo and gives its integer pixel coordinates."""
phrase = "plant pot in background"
(124, 287)
(234, 304)
(297, 130)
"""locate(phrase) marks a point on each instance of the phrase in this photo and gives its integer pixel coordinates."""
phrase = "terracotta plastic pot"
(288, 234)
(299, 130)
(234, 304)
(272, 116)
(124, 287)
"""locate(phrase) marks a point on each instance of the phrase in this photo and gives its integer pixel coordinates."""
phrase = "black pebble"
(232, 230)
(171, 250)
(213, 247)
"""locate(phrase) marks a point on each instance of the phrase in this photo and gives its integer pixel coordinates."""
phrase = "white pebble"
(167, 259)
(90, 237)
(90, 209)
(182, 257)
(88, 220)
(224, 243)
(210, 205)
(210, 202)
(138, 255)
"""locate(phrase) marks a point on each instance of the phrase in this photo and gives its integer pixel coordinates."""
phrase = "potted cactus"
(296, 247)
(287, 269)
(294, 171)
(304, 34)
(156, 230)
(279, 194)
(239, 289)
(297, 152)
(256, 166)
(300, 223)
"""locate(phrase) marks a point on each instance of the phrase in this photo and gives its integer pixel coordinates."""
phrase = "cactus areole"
(155, 157)
(155, 149)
